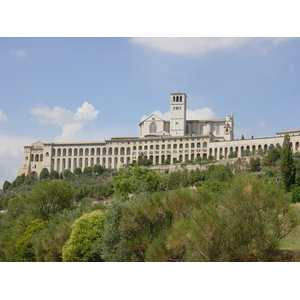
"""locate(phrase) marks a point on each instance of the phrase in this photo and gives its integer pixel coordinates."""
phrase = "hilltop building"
(177, 139)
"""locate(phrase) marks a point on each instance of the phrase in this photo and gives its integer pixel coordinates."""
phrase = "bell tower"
(178, 114)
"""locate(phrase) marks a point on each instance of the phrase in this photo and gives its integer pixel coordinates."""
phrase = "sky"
(92, 89)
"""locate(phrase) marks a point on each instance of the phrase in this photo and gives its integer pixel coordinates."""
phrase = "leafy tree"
(50, 197)
(68, 174)
(98, 169)
(246, 225)
(48, 243)
(254, 164)
(77, 171)
(233, 155)
(24, 247)
(85, 238)
(136, 180)
(143, 161)
(44, 173)
(114, 243)
(87, 170)
(287, 166)
(219, 173)
(6, 185)
(54, 175)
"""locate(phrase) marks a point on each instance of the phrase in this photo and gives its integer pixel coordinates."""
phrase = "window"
(152, 128)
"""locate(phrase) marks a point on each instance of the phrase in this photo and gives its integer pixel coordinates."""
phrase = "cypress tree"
(288, 169)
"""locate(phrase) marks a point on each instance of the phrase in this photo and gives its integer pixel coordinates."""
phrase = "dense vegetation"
(244, 211)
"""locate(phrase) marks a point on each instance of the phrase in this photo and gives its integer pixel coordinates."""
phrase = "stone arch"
(128, 151)
(86, 152)
(92, 151)
(70, 152)
(74, 163)
(116, 151)
(64, 152)
(34, 174)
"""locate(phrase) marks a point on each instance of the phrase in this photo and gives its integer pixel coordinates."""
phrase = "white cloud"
(18, 53)
(3, 117)
(196, 46)
(200, 114)
(71, 123)
(11, 154)
(197, 114)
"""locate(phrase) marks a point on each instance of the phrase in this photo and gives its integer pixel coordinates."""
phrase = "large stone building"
(177, 139)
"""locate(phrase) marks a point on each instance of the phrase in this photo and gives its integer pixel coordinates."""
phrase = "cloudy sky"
(91, 89)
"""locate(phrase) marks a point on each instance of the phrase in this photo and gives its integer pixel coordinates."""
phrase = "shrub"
(85, 238)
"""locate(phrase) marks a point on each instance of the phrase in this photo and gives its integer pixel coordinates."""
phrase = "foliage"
(85, 237)
(77, 171)
(219, 173)
(135, 180)
(24, 247)
(54, 175)
(44, 173)
(246, 225)
(288, 169)
(233, 155)
(254, 164)
(87, 170)
(48, 243)
(51, 197)
(143, 161)
(6, 185)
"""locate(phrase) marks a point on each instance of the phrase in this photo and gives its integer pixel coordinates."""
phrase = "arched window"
(152, 128)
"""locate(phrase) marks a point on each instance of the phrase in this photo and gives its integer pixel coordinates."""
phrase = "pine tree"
(288, 169)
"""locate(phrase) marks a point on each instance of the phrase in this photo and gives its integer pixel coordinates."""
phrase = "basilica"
(175, 140)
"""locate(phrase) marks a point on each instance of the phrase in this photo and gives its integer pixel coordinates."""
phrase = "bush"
(85, 238)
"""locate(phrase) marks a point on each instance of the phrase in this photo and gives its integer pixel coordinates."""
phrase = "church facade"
(175, 140)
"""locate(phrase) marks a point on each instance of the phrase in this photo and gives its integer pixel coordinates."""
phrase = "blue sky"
(91, 89)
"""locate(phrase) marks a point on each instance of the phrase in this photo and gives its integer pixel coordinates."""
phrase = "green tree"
(77, 171)
(254, 164)
(54, 175)
(287, 166)
(44, 173)
(87, 170)
(246, 225)
(136, 180)
(219, 173)
(24, 247)
(50, 197)
(6, 185)
(143, 161)
(85, 238)
(98, 169)
(48, 243)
